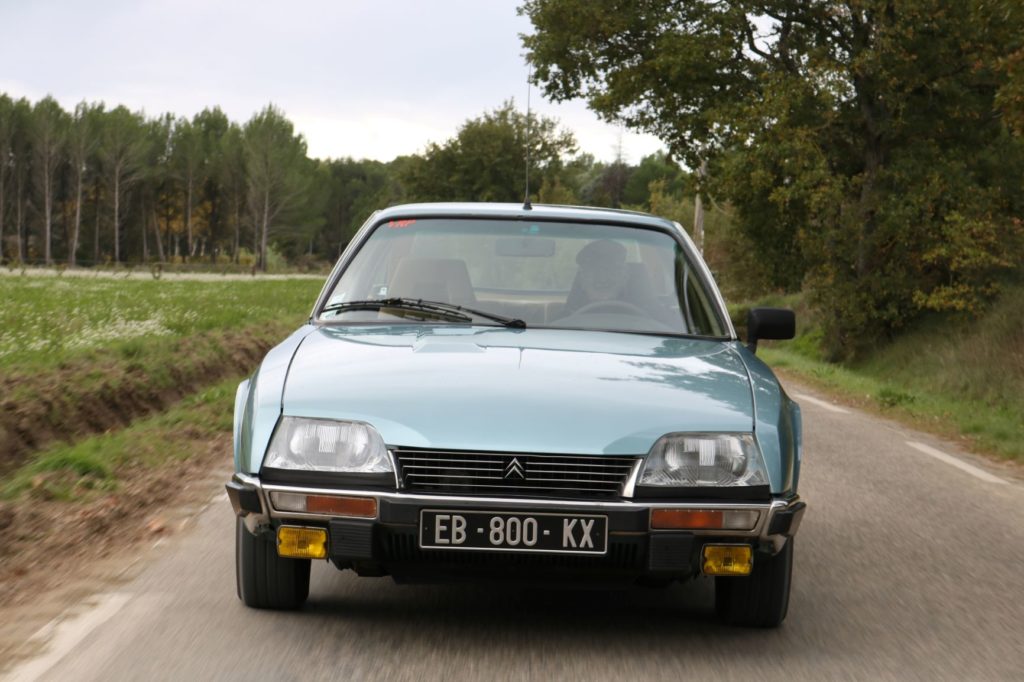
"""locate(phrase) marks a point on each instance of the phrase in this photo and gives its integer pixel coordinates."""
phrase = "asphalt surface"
(909, 565)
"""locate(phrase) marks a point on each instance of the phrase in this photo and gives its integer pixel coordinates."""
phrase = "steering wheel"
(612, 306)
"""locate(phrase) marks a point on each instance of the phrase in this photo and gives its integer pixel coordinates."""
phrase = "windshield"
(546, 274)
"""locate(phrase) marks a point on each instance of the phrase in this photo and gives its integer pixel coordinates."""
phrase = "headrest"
(601, 253)
(433, 279)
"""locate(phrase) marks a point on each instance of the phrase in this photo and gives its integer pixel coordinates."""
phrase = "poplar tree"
(122, 150)
(49, 130)
(82, 142)
(7, 132)
(278, 173)
(188, 160)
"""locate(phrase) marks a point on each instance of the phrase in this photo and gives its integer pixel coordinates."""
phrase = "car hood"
(535, 390)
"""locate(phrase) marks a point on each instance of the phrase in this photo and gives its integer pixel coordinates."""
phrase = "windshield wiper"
(450, 310)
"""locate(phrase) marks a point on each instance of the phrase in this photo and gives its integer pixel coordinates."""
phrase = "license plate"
(513, 532)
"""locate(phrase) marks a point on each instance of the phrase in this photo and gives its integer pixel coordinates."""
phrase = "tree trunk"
(73, 242)
(255, 240)
(264, 230)
(2, 207)
(145, 239)
(238, 232)
(47, 214)
(188, 215)
(159, 239)
(19, 220)
(167, 230)
(117, 215)
(698, 209)
(96, 227)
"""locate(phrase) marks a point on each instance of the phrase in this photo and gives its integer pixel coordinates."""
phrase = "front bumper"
(389, 543)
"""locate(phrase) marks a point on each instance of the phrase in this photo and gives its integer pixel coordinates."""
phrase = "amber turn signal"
(704, 519)
(334, 505)
(685, 518)
(727, 560)
(342, 506)
(301, 543)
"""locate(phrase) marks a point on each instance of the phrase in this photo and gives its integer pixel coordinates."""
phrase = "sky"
(359, 78)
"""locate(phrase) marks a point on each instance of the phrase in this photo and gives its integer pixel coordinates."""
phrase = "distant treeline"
(109, 185)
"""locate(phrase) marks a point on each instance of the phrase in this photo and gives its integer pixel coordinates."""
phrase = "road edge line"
(67, 633)
(821, 403)
(956, 462)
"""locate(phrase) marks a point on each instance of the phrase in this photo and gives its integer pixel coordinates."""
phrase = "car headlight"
(705, 459)
(327, 445)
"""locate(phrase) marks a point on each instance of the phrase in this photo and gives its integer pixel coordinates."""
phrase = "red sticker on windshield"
(397, 224)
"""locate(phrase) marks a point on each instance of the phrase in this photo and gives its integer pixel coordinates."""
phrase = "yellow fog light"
(301, 543)
(728, 560)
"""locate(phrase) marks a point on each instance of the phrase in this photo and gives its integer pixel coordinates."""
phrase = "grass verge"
(996, 430)
(90, 500)
(92, 467)
(961, 378)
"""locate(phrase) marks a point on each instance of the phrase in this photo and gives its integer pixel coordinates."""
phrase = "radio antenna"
(527, 206)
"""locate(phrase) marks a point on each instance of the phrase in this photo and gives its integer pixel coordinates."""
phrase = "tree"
(21, 172)
(157, 188)
(122, 148)
(49, 129)
(279, 173)
(231, 174)
(189, 161)
(854, 139)
(213, 125)
(82, 141)
(653, 168)
(7, 132)
(486, 160)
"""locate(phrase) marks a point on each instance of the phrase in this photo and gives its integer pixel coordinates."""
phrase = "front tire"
(761, 599)
(263, 579)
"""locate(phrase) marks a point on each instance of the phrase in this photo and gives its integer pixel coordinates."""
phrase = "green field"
(45, 321)
(83, 356)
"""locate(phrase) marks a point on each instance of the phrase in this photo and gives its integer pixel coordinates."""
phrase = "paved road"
(909, 565)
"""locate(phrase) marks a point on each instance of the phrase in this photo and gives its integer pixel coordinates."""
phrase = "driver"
(602, 273)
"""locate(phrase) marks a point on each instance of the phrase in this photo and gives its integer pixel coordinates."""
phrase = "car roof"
(517, 211)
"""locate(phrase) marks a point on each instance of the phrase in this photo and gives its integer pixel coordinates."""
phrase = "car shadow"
(482, 612)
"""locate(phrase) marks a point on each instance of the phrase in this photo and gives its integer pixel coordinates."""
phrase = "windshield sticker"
(532, 229)
(398, 224)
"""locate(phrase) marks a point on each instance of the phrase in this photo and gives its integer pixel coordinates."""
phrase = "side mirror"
(769, 323)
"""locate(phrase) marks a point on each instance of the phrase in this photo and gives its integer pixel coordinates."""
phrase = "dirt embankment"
(100, 393)
(80, 548)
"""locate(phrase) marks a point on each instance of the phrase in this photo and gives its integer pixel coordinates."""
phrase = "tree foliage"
(279, 174)
(859, 142)
(486, 160)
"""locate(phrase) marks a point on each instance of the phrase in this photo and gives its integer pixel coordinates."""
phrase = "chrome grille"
(517, 474)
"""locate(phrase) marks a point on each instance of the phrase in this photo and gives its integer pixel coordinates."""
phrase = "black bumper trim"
(244, 500)
(351, 540)
(787, 521)
(670, 552)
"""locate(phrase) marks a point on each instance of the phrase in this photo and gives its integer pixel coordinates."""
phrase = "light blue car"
(546, 393)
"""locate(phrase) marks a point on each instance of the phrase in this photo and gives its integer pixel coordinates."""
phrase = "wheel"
(263, 579)
(761, 599)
